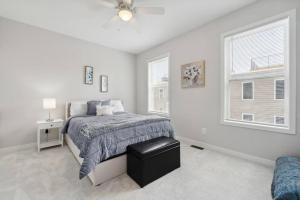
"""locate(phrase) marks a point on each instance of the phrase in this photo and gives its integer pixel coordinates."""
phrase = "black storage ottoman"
(152, 159)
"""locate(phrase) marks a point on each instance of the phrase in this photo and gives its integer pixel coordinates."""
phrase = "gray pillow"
(92, 106)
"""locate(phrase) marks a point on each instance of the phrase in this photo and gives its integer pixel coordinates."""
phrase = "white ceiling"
(83, 19)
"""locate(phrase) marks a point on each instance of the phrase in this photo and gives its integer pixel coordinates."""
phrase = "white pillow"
(78, 108)
(117, 106)
(104, 110)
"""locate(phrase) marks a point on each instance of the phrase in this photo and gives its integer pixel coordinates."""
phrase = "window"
(278, 120)
(279, 89)
(247, 90)
(158, 86)
(248, 117)
(259, 65)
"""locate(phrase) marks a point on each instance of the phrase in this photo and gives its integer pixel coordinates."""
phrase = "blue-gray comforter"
(102, 137)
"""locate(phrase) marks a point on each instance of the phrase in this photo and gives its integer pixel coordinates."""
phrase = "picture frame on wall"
(104, 83)
(89, 75)
(193, 75)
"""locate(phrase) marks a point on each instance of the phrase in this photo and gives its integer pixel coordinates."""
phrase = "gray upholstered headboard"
(68, 106)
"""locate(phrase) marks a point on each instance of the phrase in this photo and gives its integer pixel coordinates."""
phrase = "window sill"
(263, 127)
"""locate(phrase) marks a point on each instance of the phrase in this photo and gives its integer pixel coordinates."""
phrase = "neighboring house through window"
(279, 89)
(259, 70)
(278, 120)
(161, 93)
(158, 85)
(247, 90)
(248, 117)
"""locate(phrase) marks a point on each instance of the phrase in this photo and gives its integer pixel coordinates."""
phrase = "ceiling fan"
(126, 9)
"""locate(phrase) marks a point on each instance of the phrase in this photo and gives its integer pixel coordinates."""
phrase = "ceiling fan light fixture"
(125, 14)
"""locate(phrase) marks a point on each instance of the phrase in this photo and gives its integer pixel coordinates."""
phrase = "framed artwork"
(89, 75)
(103, 83)
(193, 75)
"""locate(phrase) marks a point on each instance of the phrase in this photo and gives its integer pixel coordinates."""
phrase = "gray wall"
(192, 109)
(36, 63)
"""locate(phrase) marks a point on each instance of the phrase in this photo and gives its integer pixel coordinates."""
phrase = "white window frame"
(242, 83)
(166, 55)
(279, 79)
(275, 120)
(248, 114)
(290, 78)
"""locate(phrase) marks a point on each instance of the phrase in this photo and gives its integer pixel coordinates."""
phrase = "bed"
(99, 142)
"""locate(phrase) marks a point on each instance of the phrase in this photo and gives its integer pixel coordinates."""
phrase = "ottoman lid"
(152, 147)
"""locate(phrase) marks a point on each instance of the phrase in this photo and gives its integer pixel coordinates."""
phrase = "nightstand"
(43, 127)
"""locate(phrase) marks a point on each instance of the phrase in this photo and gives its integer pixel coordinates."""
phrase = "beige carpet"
(204, 175)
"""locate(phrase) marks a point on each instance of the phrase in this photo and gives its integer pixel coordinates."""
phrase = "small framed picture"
(89, 75)
(193, 75)
(103, 83)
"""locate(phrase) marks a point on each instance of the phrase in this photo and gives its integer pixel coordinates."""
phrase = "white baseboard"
(188, 141)
(255, 159)
(17, 148)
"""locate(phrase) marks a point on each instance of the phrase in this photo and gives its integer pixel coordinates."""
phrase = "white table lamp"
(48, 104)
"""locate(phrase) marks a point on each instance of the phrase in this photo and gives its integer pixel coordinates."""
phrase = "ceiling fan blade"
(128, 2)
(108, 3)
(149, 10)
(110, 22)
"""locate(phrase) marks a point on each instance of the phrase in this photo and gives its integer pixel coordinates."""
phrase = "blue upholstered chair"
(286, 180)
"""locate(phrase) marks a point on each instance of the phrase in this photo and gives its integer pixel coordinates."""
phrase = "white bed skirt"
(105, 170)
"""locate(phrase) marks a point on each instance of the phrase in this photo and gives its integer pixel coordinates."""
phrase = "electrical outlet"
(204, 131)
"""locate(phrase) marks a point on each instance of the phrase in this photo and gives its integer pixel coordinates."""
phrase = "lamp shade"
(49, 103)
